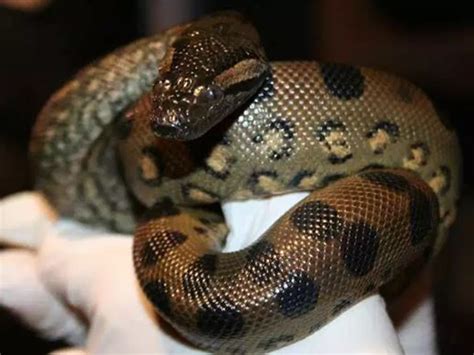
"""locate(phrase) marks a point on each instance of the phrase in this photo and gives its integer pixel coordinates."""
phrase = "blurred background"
(44, 42)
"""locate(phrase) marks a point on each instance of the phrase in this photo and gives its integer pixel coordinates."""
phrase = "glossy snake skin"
(177, 123)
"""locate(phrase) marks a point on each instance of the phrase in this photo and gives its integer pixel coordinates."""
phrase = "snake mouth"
(170, 132)
(179, 133)
(168, 124)
(179, 128)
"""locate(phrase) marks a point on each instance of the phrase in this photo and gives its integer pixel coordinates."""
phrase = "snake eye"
(208, 94)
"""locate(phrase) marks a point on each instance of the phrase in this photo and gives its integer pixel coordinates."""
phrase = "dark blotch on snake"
(296, 180)
(257, 250)
(254, 177)
(325, 129)
(263, 263)
(196, 279)
(200, 230)
(391, 128)
(220, 320)
(318, 220)
(207, 263)
(162, 242)
(323, 135)
(343, 81)
(175, 238)
(423, 215)
(286, 127)
(299, 295)
(424, 148)
(148, 255)
(156, 293)
(285, 130)
(334, 159)
(359, 247)
(388, 180)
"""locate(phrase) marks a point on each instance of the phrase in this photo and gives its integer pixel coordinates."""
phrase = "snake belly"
(382, 167)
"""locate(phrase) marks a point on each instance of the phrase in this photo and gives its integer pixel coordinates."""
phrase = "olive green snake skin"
(174, 124)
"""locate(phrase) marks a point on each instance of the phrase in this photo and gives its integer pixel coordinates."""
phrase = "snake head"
(204, 77)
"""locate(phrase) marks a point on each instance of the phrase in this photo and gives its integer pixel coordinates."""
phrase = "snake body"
(125, 136)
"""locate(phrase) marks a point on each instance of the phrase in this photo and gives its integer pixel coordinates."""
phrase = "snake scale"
(170, 126)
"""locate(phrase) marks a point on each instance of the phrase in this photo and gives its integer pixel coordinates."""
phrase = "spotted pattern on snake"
(177, 123)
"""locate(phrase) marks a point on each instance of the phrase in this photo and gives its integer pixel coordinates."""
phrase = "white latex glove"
(78, 284)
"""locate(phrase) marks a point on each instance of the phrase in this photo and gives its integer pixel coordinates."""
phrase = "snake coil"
(179, 122)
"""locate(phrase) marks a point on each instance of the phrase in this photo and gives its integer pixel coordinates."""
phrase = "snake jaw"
(167, 124)
(181, 119)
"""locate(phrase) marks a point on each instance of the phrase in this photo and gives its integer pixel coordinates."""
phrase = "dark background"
(430, 43)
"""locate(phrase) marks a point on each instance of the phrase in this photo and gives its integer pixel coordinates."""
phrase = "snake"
(154, 137)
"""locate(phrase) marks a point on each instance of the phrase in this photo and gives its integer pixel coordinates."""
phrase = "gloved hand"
(76, 283)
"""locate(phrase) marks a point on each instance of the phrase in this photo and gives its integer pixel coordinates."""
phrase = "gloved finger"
(22, 292)
(80, 269)
(417, 333)
(364, 328)
(24, 219)
(97, 276)
(248, 220)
